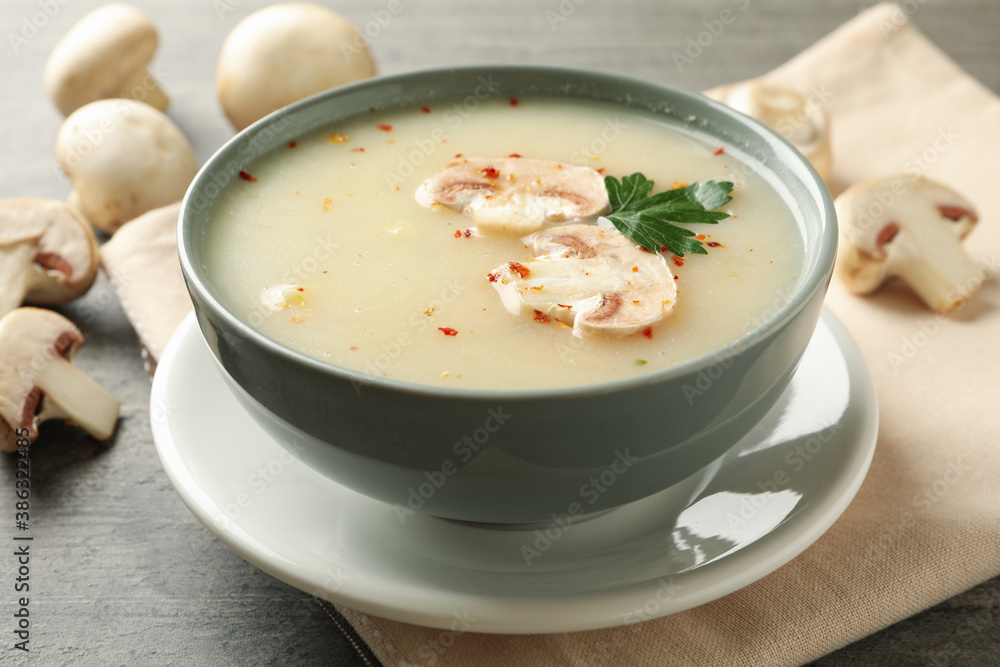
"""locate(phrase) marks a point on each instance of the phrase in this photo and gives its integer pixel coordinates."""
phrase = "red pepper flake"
(458, 155)
(489, 172)
(514, 155)
(513, 101)
(602, 170)
(701, 237)
(542, 317)
(663, 248)
(448, 331)
(358, 150)
(718, 151)
(301, 289)
(354, 347)
(648, 333)
(425, 110)
(714, 244)
(458, 233)
(678, 261)
(384, 127)
(247, 177)
(467, 233)
(676, 278)
(635, 269)
(326, 272)
(293, 144)
(519, 269)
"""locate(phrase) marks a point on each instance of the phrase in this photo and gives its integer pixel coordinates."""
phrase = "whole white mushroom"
(286, 52)
(124, 158)
(104, 55)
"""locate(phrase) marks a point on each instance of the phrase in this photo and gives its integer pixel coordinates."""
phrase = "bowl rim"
(813, 277)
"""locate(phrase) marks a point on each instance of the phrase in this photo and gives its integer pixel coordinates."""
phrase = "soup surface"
(323, 247)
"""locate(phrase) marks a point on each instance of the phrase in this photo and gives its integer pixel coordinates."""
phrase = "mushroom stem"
(141, 86)
(71, 394)
(15, 263)
(937, 268)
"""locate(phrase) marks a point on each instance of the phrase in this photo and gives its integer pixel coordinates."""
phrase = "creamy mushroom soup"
(323, 246)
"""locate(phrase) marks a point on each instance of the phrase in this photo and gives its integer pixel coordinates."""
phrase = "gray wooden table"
(122, 573)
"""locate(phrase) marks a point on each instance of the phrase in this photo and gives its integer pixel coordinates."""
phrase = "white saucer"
(774, 493)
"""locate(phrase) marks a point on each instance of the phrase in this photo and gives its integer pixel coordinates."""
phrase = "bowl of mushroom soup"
(472, 292)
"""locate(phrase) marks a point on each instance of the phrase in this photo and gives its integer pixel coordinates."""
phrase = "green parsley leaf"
(648, 219)
(641, 362)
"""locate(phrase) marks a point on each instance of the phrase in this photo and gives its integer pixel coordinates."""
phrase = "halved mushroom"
(124, 158)
(589, 277)
(38, 382)
(516, 195)
(48, 253)
(801, 120)
(910, 227)
(285, 52)
(104, 55)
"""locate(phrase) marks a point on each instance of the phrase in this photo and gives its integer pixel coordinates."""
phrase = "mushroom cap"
(65, 255)
(516, 195)
(29, 337)
(99, 55)
(804, 123)
(283, 53)
(124, 158)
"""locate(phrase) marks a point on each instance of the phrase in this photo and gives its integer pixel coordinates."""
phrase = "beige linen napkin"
(142, 265)
(926, 523)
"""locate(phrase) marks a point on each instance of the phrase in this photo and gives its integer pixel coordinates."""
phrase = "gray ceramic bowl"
(501, 456)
